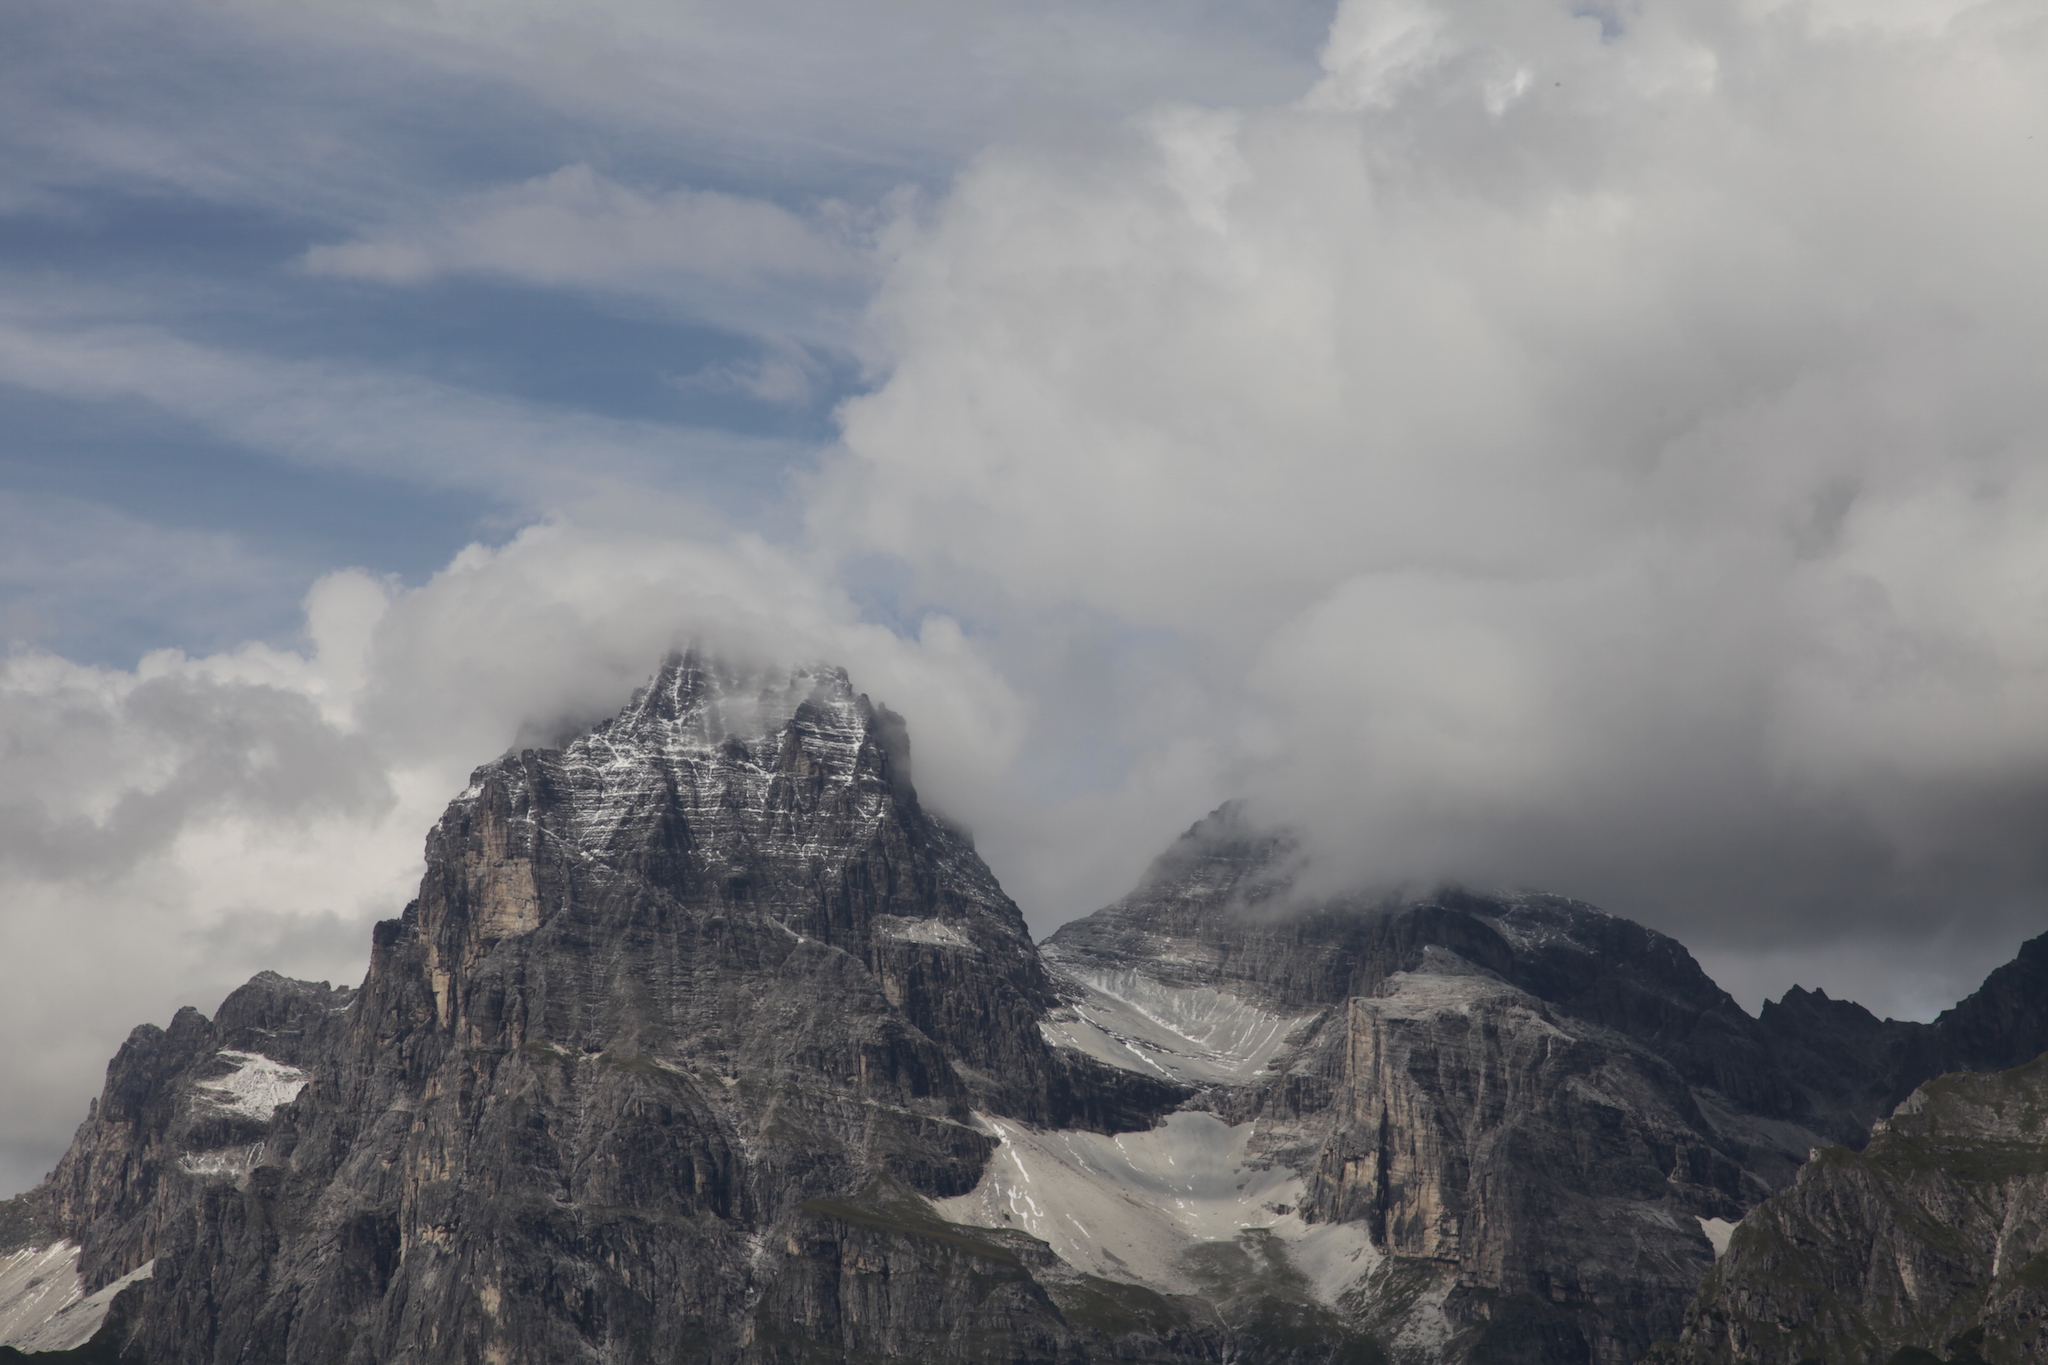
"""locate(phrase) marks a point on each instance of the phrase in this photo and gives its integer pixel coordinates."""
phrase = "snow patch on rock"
(1193, 1034)
(43, 1304)
(255, 1088)
(232, 1162)
(75, 1324)
(36, 1284)
(921, 931)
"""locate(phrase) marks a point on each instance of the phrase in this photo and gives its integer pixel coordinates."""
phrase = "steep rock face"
(1547, 1174)
(1217, 909)
(196, 1098)
(786, 803)
(1933, 1239)
(1529, 1176)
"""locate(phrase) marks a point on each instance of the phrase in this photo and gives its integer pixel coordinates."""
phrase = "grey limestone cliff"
(182, 1108)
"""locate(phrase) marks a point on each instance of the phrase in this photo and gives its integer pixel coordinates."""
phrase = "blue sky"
(1602, 450)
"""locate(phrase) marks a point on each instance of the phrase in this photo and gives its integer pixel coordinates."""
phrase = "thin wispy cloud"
(736, 261)
(529, 456)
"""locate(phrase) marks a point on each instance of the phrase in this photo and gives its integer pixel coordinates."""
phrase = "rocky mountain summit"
(705, 1041)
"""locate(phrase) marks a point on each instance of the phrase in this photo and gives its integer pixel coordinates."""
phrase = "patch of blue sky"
(136, 460)
(179, 247)
(225, 275)
(193, 100)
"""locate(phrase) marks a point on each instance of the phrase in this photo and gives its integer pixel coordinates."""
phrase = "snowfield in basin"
(1132, 1207)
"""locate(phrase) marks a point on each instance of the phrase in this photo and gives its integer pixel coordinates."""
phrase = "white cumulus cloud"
(1593, 449)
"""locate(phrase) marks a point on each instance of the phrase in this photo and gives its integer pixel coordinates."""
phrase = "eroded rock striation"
(705, 1041)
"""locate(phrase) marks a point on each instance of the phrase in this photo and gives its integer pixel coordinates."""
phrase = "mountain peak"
(711, 772)
(696, 704)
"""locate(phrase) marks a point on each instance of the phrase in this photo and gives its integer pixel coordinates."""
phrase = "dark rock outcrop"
(198, 1097)
(1517, 1097)
(1857, 1066)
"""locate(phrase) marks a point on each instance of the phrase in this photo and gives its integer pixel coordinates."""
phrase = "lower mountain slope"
(1929, 1245)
